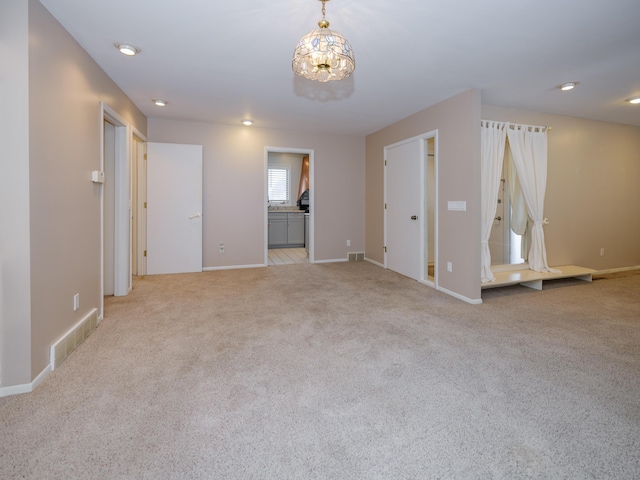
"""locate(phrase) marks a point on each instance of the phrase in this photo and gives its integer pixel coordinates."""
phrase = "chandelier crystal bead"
(323, 54)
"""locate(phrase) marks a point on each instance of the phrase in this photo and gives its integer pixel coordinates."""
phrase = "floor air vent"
(74, 337)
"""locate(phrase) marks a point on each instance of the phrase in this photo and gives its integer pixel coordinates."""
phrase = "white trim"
(133, 133)
(141, 193)
(377, 264)
(63, 338)
(477, 301)
(25, 387)
(335, 260)
(423, 152)
(428, 283)
(233, 267)
(137, 133)
(616, 270)
(122, 274)
(312, 190)
(122, 267)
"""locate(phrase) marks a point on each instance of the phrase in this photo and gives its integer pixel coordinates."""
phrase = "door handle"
(498, 218)
(414, 217)
(195, 215)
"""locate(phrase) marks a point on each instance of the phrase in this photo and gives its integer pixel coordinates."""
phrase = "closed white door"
(403, 208)
(174, 208)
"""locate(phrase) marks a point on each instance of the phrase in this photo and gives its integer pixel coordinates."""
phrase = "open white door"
(402, 198)
(174, 208)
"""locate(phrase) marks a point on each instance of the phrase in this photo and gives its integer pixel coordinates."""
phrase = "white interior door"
(109, 190)
(174, 208)
(402, 196)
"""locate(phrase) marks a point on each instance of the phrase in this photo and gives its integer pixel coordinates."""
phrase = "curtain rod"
(519, 126)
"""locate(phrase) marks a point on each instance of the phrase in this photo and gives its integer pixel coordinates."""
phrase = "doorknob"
(414, 217)
(498, 218)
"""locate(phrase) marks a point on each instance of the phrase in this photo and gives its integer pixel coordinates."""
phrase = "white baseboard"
(428, 283)
(335, 260)
(616, 270)
(72, 338)
(232, 267)
(472, 301)
(25, 387)
(374, 262)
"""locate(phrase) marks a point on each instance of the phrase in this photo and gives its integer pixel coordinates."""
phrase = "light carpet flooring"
(340, 371)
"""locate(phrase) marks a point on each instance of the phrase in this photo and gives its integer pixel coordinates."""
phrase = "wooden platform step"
(531, 279)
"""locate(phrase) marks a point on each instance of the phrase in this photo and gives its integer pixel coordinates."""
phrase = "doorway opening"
(115, 210)
(505, 245)
(289, 206)
(118, 141)
(429, 181)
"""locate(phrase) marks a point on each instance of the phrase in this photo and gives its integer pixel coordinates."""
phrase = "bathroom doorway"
(289, 206)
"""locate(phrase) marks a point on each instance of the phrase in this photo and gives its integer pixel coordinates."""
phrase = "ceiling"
(222, 61)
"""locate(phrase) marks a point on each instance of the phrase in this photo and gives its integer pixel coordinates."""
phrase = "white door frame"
(423, 252)
(140, 164)
(122, 261)
(312, 190)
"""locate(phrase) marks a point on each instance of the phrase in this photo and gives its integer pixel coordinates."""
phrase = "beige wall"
(15, 302)
(59, 96)
(234, 188)
(593, 189)
(457, 121)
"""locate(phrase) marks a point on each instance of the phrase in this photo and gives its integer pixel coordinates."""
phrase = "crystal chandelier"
(323, 54)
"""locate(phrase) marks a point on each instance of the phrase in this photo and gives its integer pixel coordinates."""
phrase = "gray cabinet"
(277, 229)
(286, 229)
(295, 230)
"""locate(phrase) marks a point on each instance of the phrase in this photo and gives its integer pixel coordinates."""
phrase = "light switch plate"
(457, 205)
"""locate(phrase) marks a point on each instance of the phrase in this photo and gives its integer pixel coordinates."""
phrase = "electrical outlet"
(449, 267)
(76, 302)
(222, 248)
(348, 243)
(602, 252)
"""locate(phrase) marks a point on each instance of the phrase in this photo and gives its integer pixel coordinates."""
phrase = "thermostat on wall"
(97, 176)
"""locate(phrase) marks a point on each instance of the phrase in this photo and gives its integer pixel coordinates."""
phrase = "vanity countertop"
(284, 210)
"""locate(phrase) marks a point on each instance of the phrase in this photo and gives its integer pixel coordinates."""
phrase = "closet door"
(402, 225)
(174, 208)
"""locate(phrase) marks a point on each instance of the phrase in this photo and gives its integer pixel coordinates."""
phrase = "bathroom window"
(278, 181)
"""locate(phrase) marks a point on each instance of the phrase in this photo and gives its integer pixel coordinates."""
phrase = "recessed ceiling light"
(634, 100)
(247, 122)
(568, 86)
(127, 49)
(159, 102)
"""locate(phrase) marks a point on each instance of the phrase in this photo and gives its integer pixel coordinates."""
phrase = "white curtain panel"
(529, 149)
(493, 138)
